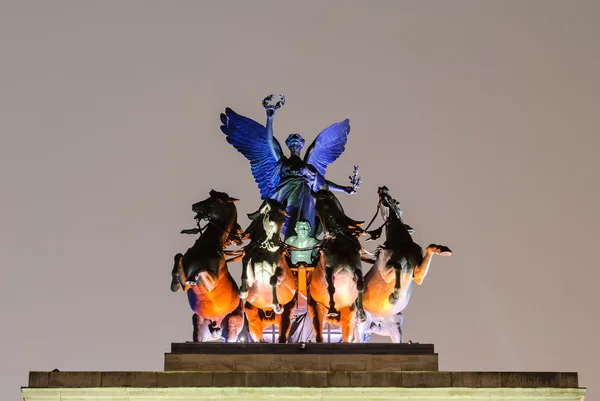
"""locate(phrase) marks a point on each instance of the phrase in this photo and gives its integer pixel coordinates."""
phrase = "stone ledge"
(295, 393)
(304, 379)
(301, 348)
(300, 362)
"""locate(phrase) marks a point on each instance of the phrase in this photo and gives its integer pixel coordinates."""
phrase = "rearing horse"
(203, 273)
(399, 262)
(268, 284)
(336, 285)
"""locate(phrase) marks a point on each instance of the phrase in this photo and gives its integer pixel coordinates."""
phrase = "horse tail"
(175, 273)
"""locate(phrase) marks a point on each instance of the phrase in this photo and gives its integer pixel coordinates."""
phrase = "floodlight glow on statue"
(289, 180)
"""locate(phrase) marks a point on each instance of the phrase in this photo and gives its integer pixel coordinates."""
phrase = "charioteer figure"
(303, 245)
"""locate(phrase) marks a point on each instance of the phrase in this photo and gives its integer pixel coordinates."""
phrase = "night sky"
(482, 118)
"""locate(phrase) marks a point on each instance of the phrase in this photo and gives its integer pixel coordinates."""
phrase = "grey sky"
(481, 117)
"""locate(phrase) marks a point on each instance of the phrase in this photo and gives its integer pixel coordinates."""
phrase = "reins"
(374, 217)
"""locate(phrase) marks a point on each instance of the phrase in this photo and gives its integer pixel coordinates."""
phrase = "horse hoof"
(375, 328)
(362, 316)
(393, 299)
(278, 309)
(333, 314)
(175, 286)
(243, 294)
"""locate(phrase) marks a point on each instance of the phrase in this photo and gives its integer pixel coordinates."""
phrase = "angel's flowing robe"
(297, 182)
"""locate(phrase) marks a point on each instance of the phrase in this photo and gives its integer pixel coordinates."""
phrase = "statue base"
(304, 357)
(213, 371)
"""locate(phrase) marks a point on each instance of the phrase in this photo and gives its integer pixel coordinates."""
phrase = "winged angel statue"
(289, 180)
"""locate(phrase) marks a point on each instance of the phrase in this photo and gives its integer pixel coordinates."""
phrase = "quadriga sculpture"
(203, 274)
(335, 290)
(268, 284)
(399, 262)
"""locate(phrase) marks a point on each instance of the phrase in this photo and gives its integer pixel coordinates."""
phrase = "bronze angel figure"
(291, 180)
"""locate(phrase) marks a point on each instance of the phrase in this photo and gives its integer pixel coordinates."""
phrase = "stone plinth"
(301, 357)
(302, 371)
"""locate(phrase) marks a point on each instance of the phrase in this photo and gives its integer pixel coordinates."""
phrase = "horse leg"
(400, 267)
(175, 286)
(317, 313)
(332, 313)
(392, 326)
(235, 323)
(395, 295)
(422, 270)
(275, 281)
(201, 331)
(285, 320)
(244, 286)
(399, 320)
(255, 324)
(363, 330)
(214, 327)
(195, 322)
(360, 287)
(347, 323)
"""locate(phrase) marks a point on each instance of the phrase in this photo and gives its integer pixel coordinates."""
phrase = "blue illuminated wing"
(250, 139)
(328, 146)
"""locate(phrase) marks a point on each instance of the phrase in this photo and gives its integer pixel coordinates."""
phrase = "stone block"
(338, 378)
(360, 379)
(174, 362)
(568, 380)
(129, 379)
(198, 362)
(229, 379)
(529, 379)
(184, 379)
(266, 379)
(39, 379)
(305, 379)
(298, 362)
(75, 379)
(385, 363)
(349, 362)
(426, 379)
(475, 379)
(220, 362)
(418, 367)
(386, 379)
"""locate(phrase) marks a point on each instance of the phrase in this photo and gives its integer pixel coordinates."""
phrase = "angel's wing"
(328, 146)
(250, 139)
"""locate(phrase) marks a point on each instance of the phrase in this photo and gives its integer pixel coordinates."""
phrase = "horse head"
(390, 212)
(267, 221)
(215, 207)
(387, 204)
(219, 209)
(332, 215)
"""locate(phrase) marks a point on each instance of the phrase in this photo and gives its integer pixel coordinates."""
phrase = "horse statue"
(268, 285)
(336, 285)
(399, 262)
(203, 274)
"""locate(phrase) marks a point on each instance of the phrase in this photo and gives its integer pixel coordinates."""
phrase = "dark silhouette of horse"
(336, 284)
(203, 274)
(268, 284)
(399, 262)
